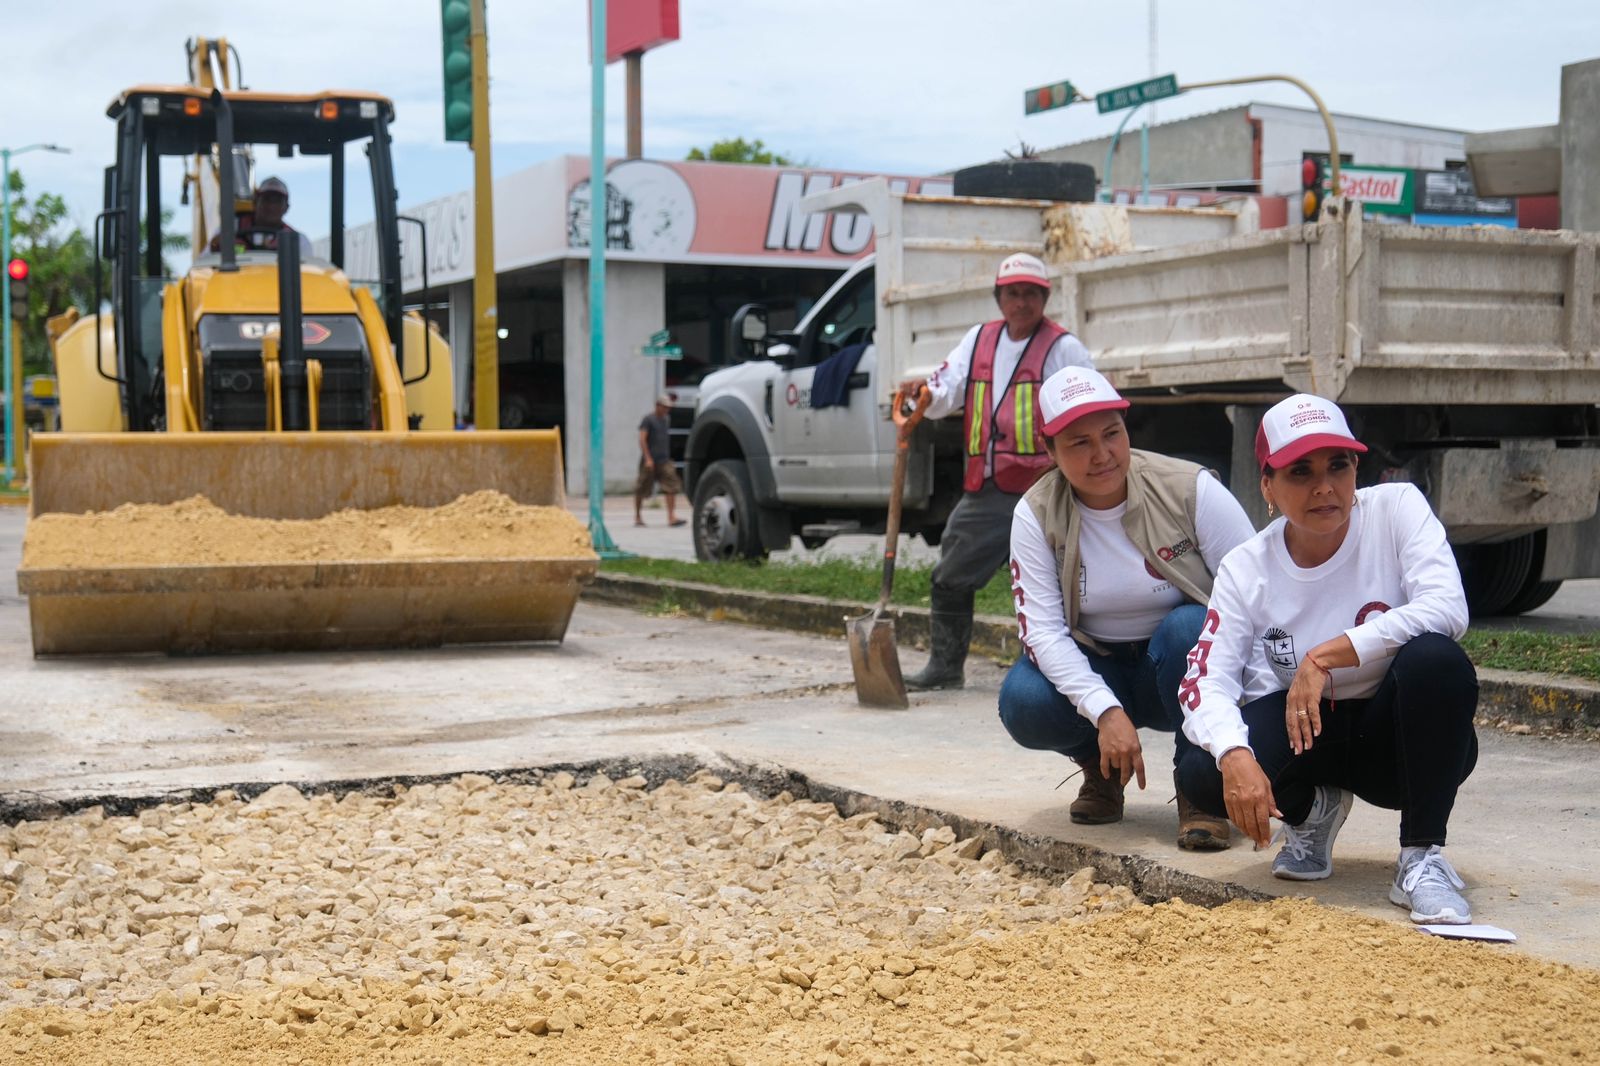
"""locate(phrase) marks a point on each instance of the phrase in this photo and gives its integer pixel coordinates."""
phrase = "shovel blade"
(876, 661)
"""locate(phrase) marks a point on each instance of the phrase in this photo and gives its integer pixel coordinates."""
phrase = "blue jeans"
(1143, 675)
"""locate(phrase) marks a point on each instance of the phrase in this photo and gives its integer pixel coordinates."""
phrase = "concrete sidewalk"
(1526, 832)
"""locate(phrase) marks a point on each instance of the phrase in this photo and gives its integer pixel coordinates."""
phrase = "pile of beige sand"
(481, 525)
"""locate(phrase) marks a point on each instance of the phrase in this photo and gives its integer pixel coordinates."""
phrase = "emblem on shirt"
(1083, 583)
(1162, 584)
(1280, 653)
(1369, 609)
(1183, 547)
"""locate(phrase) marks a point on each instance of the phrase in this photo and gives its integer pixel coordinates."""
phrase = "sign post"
(598, 534)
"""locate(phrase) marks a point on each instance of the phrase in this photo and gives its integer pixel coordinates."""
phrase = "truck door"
(829, 453)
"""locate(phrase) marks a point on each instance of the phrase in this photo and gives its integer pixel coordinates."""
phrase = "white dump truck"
(1468, 360)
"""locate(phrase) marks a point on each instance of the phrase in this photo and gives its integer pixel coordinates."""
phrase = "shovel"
(873, 654)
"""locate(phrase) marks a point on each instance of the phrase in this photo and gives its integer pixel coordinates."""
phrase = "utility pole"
(634, 63)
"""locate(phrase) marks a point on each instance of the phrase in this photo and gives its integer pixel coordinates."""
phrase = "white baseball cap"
(1022, 267)
(1071, 393)
(1302, 423)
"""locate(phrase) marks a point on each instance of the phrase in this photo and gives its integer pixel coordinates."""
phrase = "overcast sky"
(907, 86)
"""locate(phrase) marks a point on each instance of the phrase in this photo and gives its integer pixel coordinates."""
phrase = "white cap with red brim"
(1072, 392)
(1299, 425)
(1024, 268)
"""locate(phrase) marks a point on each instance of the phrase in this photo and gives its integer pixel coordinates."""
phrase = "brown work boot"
(1197, 830)
(1099, 799)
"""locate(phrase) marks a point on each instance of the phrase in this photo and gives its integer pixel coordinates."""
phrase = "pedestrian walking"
(655, 464)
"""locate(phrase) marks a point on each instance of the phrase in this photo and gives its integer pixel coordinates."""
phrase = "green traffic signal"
(456, 21)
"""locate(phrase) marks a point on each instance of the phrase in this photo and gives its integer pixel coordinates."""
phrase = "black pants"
(1407, 747)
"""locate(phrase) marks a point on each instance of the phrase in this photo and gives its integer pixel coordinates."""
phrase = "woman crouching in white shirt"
(1336, 629)
(1134, 539)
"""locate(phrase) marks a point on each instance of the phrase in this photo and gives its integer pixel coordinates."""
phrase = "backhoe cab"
(249, 339)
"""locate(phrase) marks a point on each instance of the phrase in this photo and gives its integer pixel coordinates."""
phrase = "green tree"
(60, 265)
(739, 150)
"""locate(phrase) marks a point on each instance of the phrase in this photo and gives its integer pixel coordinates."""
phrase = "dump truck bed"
(324, 603)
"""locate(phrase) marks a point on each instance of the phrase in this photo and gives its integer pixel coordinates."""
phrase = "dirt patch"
(480, 525)
(695, 923)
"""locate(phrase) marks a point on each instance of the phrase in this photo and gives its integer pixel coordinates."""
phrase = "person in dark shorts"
(655, 464)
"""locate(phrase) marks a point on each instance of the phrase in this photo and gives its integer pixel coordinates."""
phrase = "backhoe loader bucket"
(320, 604)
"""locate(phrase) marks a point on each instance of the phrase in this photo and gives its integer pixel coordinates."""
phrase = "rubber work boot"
(1099, 799)
(1197, 830)
(950, 623)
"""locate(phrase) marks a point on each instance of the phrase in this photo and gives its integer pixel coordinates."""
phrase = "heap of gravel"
(476, 922)
(479, 885)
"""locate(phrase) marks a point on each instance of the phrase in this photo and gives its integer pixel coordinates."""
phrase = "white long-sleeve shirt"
(1121, 598)
(948, 384)
(1392, 579)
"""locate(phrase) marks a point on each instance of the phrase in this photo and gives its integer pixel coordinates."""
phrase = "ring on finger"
(1302, 714)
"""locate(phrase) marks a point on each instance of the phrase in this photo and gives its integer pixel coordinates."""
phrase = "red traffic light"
(1310, 173)
(18, 269)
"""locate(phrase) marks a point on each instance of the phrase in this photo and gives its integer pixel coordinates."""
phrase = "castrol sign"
(1384, 190)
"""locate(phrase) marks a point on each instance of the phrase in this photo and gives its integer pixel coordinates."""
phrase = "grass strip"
(1574, 654)
(856, 580)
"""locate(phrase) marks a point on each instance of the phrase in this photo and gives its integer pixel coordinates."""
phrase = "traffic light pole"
(485, 301)
(13, 397)
(1327, 119)
(5, 302)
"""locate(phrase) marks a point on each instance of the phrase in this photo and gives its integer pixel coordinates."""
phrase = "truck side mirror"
(749, 329)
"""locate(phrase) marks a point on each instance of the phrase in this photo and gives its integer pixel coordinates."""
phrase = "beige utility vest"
(1159, 521)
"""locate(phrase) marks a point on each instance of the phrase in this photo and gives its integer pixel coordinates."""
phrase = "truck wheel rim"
(719, 528)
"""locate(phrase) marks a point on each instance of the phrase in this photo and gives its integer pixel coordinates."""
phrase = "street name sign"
(660, 346)
(1141, 93)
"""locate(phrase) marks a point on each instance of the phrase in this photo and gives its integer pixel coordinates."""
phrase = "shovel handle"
(908, 408)
(905, 421)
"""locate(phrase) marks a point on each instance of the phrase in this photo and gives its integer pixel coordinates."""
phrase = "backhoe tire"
(725, 522)
(1028, 179)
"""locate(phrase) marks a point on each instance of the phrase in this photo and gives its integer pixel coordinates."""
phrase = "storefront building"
(687, 244)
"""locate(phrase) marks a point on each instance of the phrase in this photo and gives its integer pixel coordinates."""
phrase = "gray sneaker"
(1430, 887)
(1307, 852)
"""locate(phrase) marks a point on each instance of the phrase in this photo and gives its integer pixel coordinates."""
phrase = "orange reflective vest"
(1010, 430)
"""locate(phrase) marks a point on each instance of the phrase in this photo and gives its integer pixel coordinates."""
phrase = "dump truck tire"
(1494, 575)
(725, 522)
(1028, 179)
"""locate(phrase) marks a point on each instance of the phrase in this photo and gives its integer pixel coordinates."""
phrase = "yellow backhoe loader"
(277, 383)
